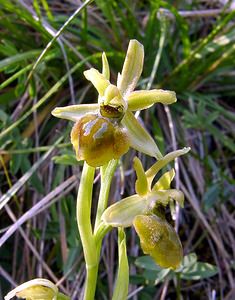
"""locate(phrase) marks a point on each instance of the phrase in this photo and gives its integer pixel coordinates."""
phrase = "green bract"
(115, 104)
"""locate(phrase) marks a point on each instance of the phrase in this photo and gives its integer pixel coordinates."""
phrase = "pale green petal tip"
(56, 112)
(168, 97)
(59, 113)
(157, 166)
(74, 112)
(97, 79)
(186, 149)
(132, 67)
(105, 66)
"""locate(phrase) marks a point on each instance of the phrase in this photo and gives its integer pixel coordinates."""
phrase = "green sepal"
(139, 100)
(105, 67)
(98, 80)
(132, 67)
(122, 213)
(139, 138)
(165, 181)
(75, 112)
(141, 184)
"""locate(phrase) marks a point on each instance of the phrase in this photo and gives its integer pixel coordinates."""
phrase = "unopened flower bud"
(37, 289)
(97, 140)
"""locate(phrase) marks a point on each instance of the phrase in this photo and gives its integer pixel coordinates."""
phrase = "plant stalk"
(90, 250)
(92, 242)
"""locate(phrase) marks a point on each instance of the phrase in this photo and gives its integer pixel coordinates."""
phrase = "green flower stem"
(107, 173)
(178, 286)
(92, 243)
(91, 279)
(85, 229)
(101, 231)
(61, 296)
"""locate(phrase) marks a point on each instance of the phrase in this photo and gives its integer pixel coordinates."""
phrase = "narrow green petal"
(105, 67)
(139, 138)
(165, 181)
(112, 92)
(165, 196)
(151, 172)
(141, 184)
(132, 68)
(143, 99)
(75, 112)
(97, 79)
(122, 281)
(122, 213)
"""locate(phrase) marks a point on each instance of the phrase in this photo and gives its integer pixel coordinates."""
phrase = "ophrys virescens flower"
(158, 238)
(106, 130)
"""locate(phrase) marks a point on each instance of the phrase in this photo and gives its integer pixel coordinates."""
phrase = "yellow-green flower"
(123, 212)
(37, 289)
(158, 238)
(110, 126)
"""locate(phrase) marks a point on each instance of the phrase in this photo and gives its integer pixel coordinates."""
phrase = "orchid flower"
(157, 237)
(107, 129)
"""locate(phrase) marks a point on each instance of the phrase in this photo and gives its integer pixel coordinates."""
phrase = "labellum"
(159, 240)
(97, 140)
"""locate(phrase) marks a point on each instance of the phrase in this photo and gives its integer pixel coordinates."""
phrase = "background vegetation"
(189, 48)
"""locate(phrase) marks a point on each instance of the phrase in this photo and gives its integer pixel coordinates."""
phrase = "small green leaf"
(3, 116)
(162, 274)
(15, 163)
(211, 196)
(189, 260)
(147, 262)
(66, 159)
(153, 272)
(18, 58)
(199, 271)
